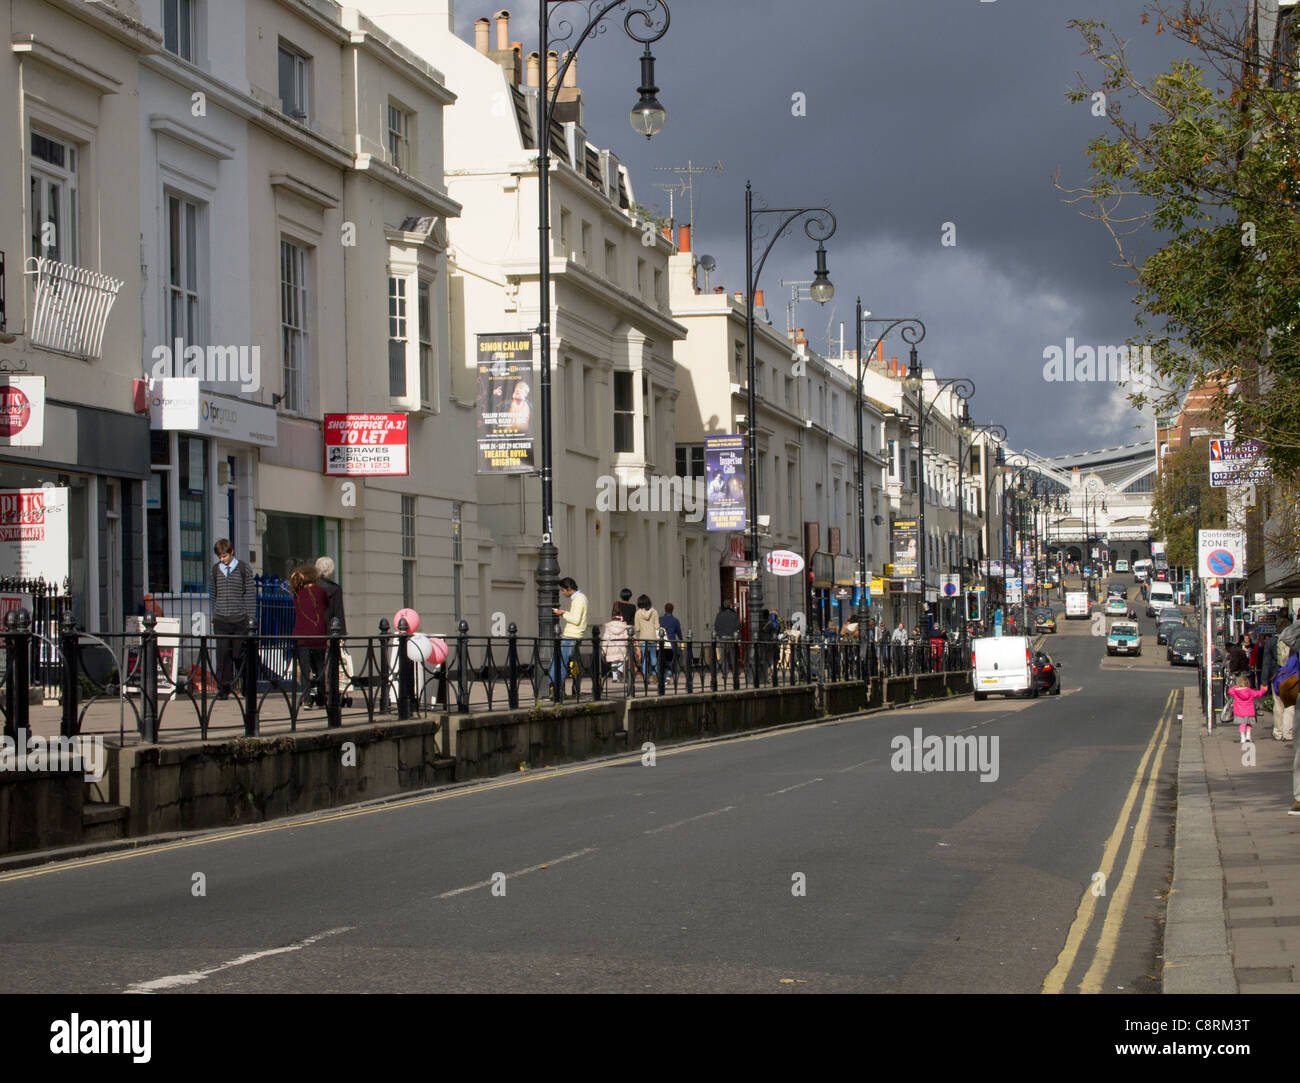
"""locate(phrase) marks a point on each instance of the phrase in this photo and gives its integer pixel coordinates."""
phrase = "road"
(682, 876)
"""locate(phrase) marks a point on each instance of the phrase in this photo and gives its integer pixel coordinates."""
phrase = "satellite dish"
(707, 263)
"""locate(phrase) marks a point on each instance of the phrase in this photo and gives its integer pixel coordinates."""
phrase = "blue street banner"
(724, 481)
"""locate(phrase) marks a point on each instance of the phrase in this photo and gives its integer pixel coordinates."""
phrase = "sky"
(916, 114)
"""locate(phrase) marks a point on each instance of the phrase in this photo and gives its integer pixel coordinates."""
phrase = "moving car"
(1047, 674)
(1124, 637)
(1002, 664)
(1184, 647)
(1117, 607)
(1076, 605)
(1045, 619)
(1161, 596)
(1170, 621)
(1141, 571)
(1121, 565)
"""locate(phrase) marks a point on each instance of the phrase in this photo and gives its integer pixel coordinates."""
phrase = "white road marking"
(688, 820)
(520, 872)
(173, 981)
(796, 786)
(855, 766)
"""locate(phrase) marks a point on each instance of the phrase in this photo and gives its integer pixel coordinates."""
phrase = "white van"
(1002, 664)
(1076, 605)
(1160, 596)
(1141, 570)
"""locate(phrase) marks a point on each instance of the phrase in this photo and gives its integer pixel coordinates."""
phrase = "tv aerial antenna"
(685, 184)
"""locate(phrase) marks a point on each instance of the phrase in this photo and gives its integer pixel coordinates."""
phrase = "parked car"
(1047, 676)
(1170, 621)
(1184, 648)
(1045, 619)
(1124, 637)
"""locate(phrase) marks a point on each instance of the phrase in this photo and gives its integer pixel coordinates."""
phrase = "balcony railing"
(71, 307)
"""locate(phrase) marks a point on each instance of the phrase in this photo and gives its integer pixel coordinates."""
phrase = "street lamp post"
(1019, 471)
(913, 331)
(646, 25)
(971, 430)
(819, 225)
(963, 388)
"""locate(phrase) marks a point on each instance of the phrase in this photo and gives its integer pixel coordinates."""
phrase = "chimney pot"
(482, 29)
(719, 289)
(534, 66)
(503, 29)
(552, 66)
(758, 298)
(685, 244)
(571, 76)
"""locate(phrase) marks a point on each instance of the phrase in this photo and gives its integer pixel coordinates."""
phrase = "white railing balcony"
(71, 307)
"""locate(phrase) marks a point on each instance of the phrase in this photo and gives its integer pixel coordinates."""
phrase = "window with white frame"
(294, 72)
(179, 26)
(54, 209)
(624, 413)
(397, 336)
(399, 137)
(184, 238)
(690, 461)
(424, 315)
(294, 315)
(408, 552)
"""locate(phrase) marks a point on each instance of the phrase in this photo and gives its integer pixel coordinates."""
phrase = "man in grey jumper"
(234, 608)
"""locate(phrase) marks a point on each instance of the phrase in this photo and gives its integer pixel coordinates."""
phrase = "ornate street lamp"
(819, 225)
(645, 24)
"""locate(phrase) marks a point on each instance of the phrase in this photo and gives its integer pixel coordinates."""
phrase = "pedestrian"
(573, 626)
(325, 568)
(646, 623)
(1243, 706)
(726, 631)
(898, 643)
(310, 603)
(672, 639)
(234, 611)
(1238, 661)
(614, 642)
(625, 606)
(1284, 685)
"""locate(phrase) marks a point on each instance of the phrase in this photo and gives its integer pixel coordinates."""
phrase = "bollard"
(558, 664)
(512, 665)
(149, 680)
(68, 644)
(333, 660)
(11, 678)
(405, 672)
(690, 663)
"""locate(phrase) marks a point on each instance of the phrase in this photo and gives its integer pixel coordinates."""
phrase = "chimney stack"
(685, 244)
(740, 297)
(482, 28)
(503, 29)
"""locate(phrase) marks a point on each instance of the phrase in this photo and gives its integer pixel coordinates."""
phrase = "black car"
(1184, 647)
(1047, 674)
(1168, 624)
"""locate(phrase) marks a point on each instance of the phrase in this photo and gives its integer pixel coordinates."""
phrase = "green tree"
(1184, 502)
(1212, 176)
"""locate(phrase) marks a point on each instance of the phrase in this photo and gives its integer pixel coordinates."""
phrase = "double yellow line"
(1148, 774)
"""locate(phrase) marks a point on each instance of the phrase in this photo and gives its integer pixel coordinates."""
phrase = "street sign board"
(1221, 554)
(783, 562)
(950, 584)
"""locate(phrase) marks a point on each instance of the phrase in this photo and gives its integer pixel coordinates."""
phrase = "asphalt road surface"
(798, 860)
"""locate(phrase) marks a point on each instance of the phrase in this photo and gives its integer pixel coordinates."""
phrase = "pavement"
(1233, 922)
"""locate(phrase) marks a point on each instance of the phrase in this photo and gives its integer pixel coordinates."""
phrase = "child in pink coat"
(1243, 706)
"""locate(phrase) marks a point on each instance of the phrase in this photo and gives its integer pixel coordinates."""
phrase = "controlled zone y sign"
(1221, 554)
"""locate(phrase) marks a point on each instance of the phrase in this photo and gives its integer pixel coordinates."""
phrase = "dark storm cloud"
(918, 113)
